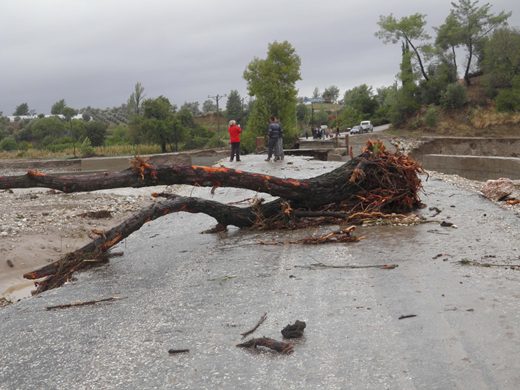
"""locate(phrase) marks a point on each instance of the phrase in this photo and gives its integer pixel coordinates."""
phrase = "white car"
(355, 130)
(366, 127)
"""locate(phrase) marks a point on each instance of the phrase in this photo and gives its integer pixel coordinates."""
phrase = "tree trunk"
(468, 64)
(375, 181)
(418, 58)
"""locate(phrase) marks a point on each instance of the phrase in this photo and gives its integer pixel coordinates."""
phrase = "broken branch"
(260, 322)
(278, 346)
(67, 305)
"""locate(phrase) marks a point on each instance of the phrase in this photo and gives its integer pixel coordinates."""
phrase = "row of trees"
(428, 76)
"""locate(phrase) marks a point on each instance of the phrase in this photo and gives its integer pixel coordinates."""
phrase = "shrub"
(216, 142)
(86, 148)
(403, 105)
(416, 123)
(431, 117)
(508, 99)
(8, 143)
(454, 96)
(195, 143)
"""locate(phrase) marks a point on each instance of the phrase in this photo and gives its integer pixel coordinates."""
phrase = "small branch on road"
(175, 351)
(262, 319)
(278, 346)
(67, 305)
(315, 266)
(407, 316)
(488, 265)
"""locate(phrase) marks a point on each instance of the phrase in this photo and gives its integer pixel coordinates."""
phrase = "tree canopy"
(272, 82)
(234, 106)
(22, 109)
(474, 24)
(330, 94)
(407, 29)
(136, 98)
(58, 107)
(157, 124)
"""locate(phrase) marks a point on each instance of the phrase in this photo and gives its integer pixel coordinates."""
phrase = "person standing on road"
(274, 133)
(234, 139)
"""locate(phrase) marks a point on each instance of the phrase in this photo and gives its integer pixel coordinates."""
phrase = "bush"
(59, 147)
(416, 123)
(216, 142)
(195, 143)
(454, 96)
(508, 100)
(86, 148)
(8, 143)
(403, 105)
(431, 117)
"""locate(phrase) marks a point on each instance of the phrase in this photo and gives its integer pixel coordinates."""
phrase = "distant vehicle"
(355, 130)
(366, 127)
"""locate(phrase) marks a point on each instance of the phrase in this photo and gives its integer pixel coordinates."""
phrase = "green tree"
(454, 96)
(449, 37)
(44, 128)
(361, 99)
(441, 75)
(501, 62)
(135, 100)
(316, 93)
(475, 24)
(330, 94)
(508, 99)
(349, 117)
(407, 29)
(118, 135)
(209, 106)
(68, 113)
(96, 132)
(272, 81)
(58, 107)
(303, 115)
(22, 109)
(234, 106)
(157, 124)
(192, 107)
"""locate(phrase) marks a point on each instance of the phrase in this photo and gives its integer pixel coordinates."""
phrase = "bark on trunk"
(375, 181)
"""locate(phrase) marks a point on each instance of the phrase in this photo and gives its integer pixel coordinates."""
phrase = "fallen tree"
(373, 183)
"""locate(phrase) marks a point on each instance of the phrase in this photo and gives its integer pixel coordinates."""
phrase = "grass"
(115, 150)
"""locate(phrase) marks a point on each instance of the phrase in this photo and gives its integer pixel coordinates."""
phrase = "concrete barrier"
(114, 164)
(469, 146)
(474, 167)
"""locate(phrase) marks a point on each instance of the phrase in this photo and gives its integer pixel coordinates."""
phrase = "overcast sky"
(92, 52)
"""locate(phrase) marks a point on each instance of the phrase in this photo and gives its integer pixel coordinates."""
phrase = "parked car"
(355, 130)
(366, 127)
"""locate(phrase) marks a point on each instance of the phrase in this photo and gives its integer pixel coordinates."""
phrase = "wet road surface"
(183, 289)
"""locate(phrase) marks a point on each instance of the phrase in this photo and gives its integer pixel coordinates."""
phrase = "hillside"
(478, 118)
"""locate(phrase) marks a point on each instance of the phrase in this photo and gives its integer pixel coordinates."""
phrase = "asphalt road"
(183, 289)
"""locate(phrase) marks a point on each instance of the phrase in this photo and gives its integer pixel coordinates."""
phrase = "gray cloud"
(92, 52)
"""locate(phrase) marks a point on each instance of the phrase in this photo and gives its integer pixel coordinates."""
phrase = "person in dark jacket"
(274, 133)
(234, 139)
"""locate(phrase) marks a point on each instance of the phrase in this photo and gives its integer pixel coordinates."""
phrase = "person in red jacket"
(234, 139)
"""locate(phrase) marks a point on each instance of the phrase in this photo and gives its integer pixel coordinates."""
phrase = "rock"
(497, 189)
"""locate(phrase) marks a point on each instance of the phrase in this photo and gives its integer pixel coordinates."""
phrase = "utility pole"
(217, 98)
